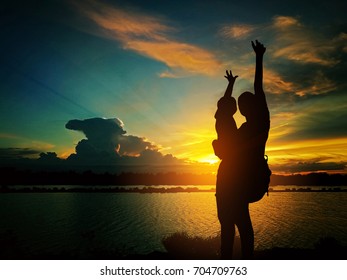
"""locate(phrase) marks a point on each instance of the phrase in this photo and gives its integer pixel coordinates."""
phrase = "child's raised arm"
(229, 76)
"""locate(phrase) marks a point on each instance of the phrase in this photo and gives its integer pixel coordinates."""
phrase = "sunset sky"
(155, 69)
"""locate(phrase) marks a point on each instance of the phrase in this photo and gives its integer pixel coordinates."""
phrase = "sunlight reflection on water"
(136, 223)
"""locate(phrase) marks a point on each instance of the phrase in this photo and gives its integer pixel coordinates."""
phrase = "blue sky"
(158, 66)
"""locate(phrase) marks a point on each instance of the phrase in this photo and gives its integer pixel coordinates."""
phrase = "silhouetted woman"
(236, 171)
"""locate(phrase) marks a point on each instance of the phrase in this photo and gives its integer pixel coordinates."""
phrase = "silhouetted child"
(225, 124)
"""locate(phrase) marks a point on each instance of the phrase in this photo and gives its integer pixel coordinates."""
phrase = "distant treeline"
(133, 189)
(101, 189)
(12, 176)
(311, 179)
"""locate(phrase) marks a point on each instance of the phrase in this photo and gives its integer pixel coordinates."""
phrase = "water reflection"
(136, 223)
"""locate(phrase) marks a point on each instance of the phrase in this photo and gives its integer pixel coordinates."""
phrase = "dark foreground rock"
(178, 246)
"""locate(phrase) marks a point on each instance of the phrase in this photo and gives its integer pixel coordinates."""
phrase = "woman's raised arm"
(259, 50)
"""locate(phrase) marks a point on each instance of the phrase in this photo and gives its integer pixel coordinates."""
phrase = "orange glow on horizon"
(66, 153)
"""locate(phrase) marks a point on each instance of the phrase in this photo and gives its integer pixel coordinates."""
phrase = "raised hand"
(258, 48)
(229, 76)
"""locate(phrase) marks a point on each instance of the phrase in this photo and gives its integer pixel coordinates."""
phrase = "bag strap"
(266, 159)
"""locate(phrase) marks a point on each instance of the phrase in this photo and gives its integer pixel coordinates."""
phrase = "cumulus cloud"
(102, 137)
(150, 36)
(50, 158)
(107, 143)
(131, 145)
(105, 147)
(153, 158)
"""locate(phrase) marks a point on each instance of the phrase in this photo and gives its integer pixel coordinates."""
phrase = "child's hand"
(229, 76)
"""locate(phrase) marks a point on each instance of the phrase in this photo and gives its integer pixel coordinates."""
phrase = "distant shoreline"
(11, 176)
(145, 189)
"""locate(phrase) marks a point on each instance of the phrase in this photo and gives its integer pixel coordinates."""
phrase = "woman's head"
(246, 104)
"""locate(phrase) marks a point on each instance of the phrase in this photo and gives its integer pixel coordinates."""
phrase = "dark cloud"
(307, 62)
(49, 158)
(133, 145)
(107, 144)
(312, 116)
(154, 157)
(17, 153)
(309, 166)
(102, 138)
(282, 103)
(106, 147)
(28, 158)
(320, 126)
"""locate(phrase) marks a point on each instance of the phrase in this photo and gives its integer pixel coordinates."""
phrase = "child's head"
(227, 105)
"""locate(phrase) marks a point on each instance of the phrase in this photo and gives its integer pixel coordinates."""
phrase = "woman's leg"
(244, 225)
(227, 227)
(227, 240)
